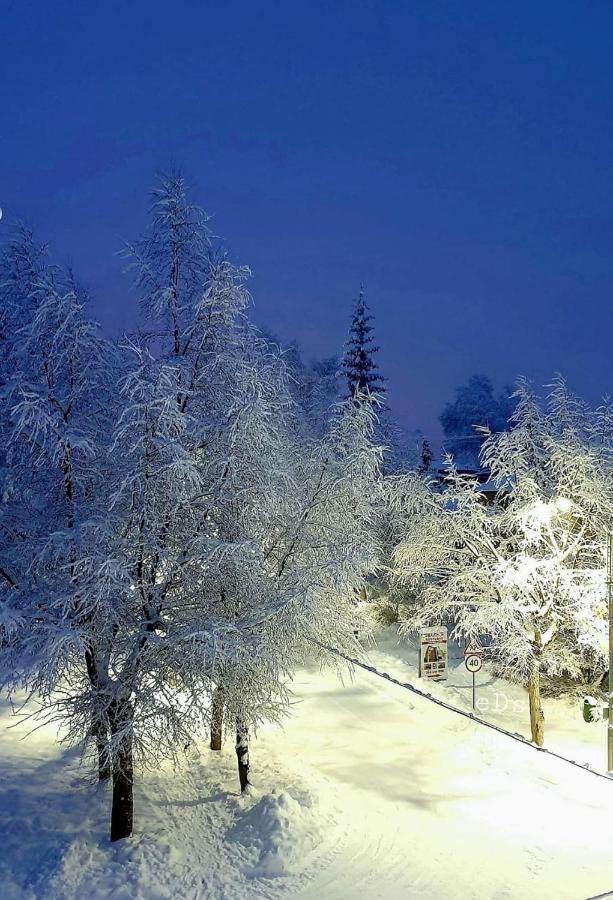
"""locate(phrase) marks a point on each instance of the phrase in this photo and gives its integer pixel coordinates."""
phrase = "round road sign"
(473, 662)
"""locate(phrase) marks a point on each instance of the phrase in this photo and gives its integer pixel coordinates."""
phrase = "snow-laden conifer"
(359, 365)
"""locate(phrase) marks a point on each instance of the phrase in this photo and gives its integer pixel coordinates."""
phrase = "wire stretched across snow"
(512, 734)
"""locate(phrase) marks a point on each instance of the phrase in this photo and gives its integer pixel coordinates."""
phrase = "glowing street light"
(563, 505)
(543, 512)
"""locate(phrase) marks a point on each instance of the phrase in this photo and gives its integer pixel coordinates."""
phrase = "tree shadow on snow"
(44, 806)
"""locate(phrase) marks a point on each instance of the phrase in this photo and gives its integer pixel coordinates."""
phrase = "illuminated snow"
(366, 793)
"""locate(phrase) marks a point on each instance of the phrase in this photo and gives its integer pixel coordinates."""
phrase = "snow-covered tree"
(94, 520)
(475, 408)
(313, 385)
(58, 410)
(22, 263)
(171, 261)
(320, 393)
(425, 457)
(292, 520)
(256, 470)
(527, 570)
(154, 660)
(358, 365)
(173, 544)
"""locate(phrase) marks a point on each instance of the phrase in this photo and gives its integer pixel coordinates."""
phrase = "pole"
(610, 598)
(473, 690)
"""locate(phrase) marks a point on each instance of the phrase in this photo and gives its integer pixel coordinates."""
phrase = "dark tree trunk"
(99, 730)
(242, 755)
(216, 719)
(100, 734)
(122, 813)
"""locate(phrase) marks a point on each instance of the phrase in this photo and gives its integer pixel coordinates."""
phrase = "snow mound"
(279, 832)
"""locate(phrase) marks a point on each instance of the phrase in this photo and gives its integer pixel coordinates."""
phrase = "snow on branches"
(173, 544)
(528, 569)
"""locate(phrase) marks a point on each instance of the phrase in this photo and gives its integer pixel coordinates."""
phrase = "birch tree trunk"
(122, 812)
(537, 718)
(216, 719)
(242, 754)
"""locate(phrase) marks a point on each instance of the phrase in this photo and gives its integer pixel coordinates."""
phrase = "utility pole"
(610, 598)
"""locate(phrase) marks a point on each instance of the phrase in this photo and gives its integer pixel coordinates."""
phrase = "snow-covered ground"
(368, 792)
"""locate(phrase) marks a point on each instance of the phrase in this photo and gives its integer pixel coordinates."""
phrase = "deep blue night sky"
(457, 157)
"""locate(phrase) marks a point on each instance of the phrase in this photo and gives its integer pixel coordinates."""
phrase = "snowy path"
(368, 793)
(434, 806)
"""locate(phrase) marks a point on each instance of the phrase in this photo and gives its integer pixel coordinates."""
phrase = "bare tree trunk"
(122, 812)
(99, 730)
(216, 719)
(100, 734)
(537, 718)
(242, 754)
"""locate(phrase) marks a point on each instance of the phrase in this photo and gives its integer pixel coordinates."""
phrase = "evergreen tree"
(426, 457)
(358, 365)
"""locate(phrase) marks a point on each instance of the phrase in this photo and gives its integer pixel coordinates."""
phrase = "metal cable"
(512, 734)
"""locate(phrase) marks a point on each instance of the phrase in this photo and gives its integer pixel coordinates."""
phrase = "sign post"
(433, 653)
(473, 660)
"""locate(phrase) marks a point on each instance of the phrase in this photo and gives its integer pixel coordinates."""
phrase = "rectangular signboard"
(433, 653)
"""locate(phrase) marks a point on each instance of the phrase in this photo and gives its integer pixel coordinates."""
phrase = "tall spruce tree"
(358, 365)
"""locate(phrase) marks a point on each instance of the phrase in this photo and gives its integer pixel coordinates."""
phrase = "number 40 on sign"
(473, 662)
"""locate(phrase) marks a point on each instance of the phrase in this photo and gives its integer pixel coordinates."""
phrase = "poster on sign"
(433, 653)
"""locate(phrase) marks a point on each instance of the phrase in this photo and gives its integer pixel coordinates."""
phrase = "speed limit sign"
(473, 662)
